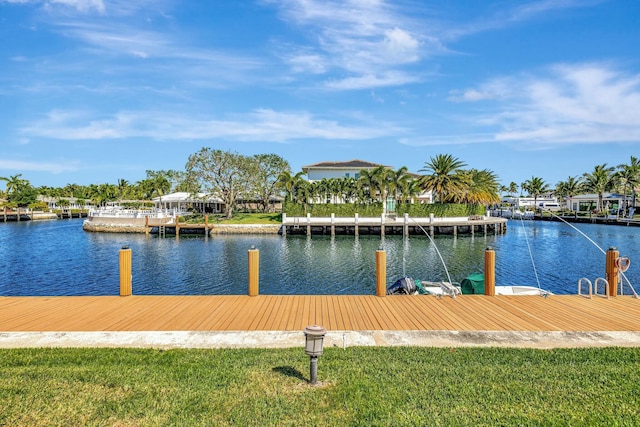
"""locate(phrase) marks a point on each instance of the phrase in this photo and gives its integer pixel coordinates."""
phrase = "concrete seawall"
(114, 225)
(137, 225)
(244, 229)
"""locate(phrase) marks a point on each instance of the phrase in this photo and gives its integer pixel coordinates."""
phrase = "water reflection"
(59, 258)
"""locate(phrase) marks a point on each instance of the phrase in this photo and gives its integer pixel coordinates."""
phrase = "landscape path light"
(314, 340)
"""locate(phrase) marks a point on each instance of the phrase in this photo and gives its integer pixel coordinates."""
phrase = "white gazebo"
(183, 201)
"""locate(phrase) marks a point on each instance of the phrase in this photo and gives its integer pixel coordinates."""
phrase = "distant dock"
(18, 215)
(167, 223)
(393, 225)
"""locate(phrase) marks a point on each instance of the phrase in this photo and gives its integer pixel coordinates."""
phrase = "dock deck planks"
(334, 312)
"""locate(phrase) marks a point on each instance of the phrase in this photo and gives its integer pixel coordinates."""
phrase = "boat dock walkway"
(351, 320)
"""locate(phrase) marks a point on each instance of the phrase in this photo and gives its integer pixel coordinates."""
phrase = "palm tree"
(568, 188)
(601, 180)
(123, 187)
(442, 178)
(629, 176)
(535, 187)
(399, 181)
(481, 187)
(290, 184)
(13, 183)
(379, 181)
(349, 190)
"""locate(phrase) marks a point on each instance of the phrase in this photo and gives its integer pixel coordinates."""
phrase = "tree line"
(232, 176)
(623, 178)
(445, 177)
(224, 174)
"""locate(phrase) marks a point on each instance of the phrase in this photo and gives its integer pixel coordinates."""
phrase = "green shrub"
(375, 209)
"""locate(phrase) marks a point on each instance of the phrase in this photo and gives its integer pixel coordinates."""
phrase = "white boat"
(409, 286)
(521, 290)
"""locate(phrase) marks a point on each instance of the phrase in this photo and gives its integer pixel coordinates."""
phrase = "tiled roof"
(350, 164)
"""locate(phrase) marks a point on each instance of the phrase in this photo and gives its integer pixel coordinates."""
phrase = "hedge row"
(375, 209)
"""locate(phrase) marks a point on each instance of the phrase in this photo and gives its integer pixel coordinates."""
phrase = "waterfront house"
(612, 202)
(530, 203)
(329, 170)
(352, 169)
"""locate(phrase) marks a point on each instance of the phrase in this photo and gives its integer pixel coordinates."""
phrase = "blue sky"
(93, 91)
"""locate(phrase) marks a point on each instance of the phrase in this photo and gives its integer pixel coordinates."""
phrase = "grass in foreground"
(358, 387)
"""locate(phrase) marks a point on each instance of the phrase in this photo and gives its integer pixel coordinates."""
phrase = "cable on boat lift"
(535, 270)
(436, 248)
(624, 263)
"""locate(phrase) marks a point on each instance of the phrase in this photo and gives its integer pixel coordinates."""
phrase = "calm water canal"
(59, 258)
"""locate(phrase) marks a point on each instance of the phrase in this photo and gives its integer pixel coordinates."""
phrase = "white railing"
(115, 212)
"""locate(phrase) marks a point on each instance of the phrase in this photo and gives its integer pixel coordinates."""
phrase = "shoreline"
(138, 225)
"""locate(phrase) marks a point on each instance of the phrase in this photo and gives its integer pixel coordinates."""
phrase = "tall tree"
(535, 186)
(600, 180)
(378, 183)
(290, 184)
(481, 187)
(568, 188)
(222, 174)
(441, 177)
(12, 183)
(268, 168)
(629, 177)
(398, 182)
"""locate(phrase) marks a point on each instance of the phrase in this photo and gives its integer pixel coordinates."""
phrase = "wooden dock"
(334, 312)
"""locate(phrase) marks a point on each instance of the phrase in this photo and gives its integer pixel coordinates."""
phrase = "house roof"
(605, 196)
(350, 164)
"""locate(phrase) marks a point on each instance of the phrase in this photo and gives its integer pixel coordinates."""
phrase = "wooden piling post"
(612, 270)
(489, 272)
(125, 271)
(146, 225)
(254, 271)
(381, 272)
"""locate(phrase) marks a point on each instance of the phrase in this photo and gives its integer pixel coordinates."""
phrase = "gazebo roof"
(185, 197)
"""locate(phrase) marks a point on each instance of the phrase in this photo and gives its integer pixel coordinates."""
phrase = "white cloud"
(372, 81)
(510, 16)
(259, 125)
(369, 40)
(588, 103)
(20, 165)
(102, 7)
(80, 5)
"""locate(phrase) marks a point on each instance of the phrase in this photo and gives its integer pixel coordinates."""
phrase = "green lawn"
(253, 218)
(358, 387)
(238, 218)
